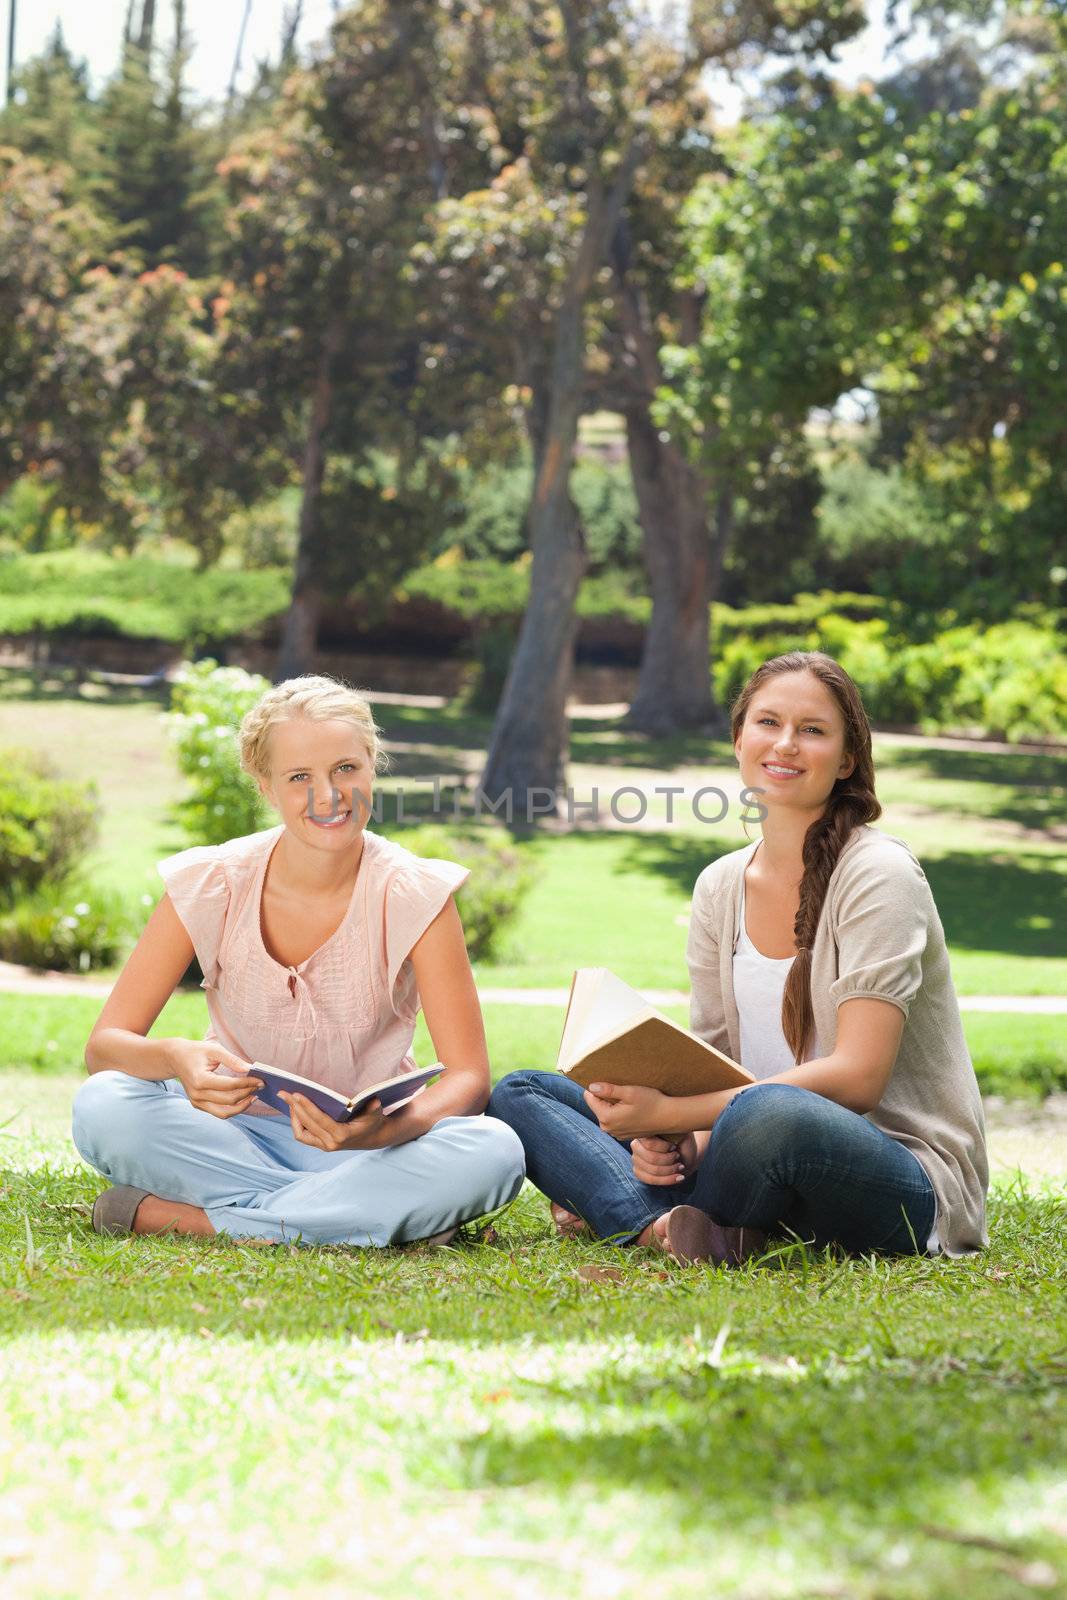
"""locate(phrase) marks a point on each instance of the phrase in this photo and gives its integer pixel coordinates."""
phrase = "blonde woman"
(319, 941)
(817, 959)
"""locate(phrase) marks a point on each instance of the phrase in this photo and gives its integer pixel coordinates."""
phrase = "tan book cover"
(612, 1035)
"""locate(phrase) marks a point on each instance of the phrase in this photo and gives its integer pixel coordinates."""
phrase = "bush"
(263, 535)
(47, 823)
(491, 898)
(31, 521)
(209, 702)
(495, 648)
(65, 927)
(84, 592)
(496, 501)
(1007, 681)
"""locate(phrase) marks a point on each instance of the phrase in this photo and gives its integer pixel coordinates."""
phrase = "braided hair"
(851, 804)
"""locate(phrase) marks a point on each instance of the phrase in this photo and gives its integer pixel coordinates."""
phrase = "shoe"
(691, 1236)
(115, 1209)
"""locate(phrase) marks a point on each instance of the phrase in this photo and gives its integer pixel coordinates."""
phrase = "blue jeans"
(780, 1159)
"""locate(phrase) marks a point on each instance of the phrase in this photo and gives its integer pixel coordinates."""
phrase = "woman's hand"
(196, 1064)
(665, 1161)
(371, 1130)
(627, 1111)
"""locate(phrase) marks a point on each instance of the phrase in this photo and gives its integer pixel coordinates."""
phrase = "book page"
(601, 1006)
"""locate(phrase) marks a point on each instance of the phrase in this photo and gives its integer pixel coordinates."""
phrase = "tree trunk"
(674, 685)
(682, 558)
(148, 24)
(296, 654)
(527, 751)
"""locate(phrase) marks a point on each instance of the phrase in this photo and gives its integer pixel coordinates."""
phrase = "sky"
(93, 31)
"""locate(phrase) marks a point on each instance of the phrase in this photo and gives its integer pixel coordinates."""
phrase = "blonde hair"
(320, 699)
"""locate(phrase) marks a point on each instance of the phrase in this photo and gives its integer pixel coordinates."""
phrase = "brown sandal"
(691, 1237)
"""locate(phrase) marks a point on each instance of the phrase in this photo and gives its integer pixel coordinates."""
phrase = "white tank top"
(759, 982)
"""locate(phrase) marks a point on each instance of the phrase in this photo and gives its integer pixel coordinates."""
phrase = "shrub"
(491, 898)
(30, 520)
(495, 649)
(1016, 679)
(47, 823)
(263, 535)
(496, 501)
(209, 702)
(66, 927)
(138, 597)
(1008, 681)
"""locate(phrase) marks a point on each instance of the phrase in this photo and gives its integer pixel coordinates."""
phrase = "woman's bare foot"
(691, 1237)
(568, 1224)
(653, 1234)
(154, 1215)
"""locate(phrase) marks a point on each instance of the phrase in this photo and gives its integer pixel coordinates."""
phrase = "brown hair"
(851, 803)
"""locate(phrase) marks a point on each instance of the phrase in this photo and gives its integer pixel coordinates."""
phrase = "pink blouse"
(346, 1015)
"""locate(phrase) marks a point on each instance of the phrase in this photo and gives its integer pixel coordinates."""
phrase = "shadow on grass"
(610, 743)
(1038, 783)
(1013, 904)
(680, 858)
(732, 1444)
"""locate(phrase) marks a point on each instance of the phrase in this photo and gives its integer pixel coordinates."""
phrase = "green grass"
(517, 1415)
(1012, 1055)
(982, 823)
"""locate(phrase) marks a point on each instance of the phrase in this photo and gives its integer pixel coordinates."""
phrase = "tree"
(52, 115)
(156, 161)
(47, 242)
(916, 258)
(579, 120)
(325, 208)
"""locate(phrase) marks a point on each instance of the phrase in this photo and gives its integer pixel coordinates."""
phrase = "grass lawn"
(515, 1414)
(1013, 1055)
(988, 828)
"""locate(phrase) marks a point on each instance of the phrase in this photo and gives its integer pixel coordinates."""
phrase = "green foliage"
(209, 702)
(484, 590)
(496, 499)
(47, 823)
(492, 896)
(1007, 681)
(914, 257)
(264, 534)
(69, 926)
(494, 649)
(31, 522)
(88, 592)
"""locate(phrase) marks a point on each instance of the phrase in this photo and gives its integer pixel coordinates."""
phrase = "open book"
(392, 1092)
(612, 1035)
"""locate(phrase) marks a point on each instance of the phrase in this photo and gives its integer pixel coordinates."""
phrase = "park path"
(28, 980)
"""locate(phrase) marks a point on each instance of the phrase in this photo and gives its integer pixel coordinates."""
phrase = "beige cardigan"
(879, 936)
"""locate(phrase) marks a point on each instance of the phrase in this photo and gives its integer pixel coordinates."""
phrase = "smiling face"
(792, 742)
(320, 781)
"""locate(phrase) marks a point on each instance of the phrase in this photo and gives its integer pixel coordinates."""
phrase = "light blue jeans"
(256, 1181)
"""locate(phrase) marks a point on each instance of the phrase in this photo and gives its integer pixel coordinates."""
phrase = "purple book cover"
(392, 1094)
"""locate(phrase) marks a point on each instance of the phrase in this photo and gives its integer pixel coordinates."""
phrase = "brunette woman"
(817, 959)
